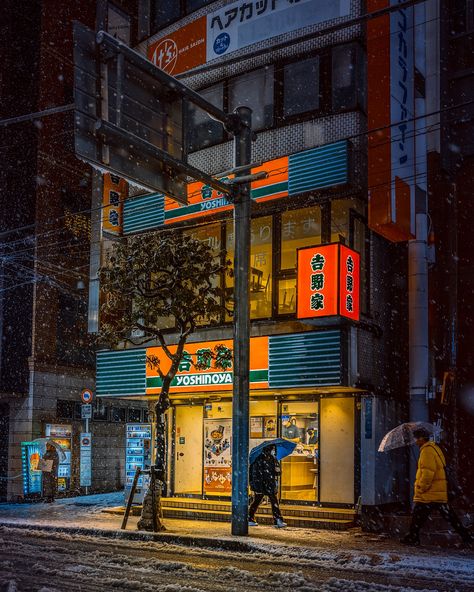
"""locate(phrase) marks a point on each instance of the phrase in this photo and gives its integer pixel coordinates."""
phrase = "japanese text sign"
(197, 368)
(328, 282)
(114, 193)
(181, 50)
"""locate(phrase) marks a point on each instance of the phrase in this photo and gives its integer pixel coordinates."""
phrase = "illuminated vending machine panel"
(32, 478)
(62, 435)
(137, 455)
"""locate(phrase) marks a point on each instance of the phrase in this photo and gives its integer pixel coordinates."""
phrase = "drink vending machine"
(32, 477)
(137, 455)
(62, 435)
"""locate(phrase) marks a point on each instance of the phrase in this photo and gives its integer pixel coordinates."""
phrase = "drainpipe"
(418, 326)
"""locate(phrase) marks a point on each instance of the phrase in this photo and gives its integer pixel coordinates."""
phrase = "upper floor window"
(347, 77)
(278, 94)
(254, 90)
(202, 130)
(301, 87)
(165, 12)
(162, 13)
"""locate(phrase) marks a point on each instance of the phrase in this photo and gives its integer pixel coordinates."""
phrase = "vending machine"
(32, 477)
(62, 435)
(137, 455)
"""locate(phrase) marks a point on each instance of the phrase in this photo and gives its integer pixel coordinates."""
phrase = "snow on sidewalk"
(351, 550)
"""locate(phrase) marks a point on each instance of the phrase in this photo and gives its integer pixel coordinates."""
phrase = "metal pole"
(87, 431)
(240, 400)
(418, 326)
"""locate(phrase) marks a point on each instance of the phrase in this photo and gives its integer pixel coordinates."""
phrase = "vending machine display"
(32, 477)
(138, 455)
(62, 435)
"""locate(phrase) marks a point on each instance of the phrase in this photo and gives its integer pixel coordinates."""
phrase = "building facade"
(46, 354)
(334, 383)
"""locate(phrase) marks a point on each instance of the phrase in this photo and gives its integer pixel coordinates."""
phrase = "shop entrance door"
(188, 449)
(337, 450)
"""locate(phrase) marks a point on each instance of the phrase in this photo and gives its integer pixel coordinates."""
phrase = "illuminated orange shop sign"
(209, 378)
(114, 194)
(328, 282)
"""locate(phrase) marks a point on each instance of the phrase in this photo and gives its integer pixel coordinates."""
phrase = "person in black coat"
(263, 478)
(50, 478)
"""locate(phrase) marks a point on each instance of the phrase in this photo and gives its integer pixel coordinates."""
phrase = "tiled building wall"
(28, 416)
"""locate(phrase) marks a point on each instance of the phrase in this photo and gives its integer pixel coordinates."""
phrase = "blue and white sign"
(86, 460)
(86, 411)
(245, 22)
(402, 104)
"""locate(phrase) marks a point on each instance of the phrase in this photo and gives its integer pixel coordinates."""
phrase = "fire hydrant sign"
(86, 460)
(328, 282)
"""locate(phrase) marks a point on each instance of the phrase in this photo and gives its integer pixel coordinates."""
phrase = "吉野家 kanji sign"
(328, 282)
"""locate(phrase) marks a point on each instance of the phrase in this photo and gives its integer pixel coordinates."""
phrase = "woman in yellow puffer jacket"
(430, 483)
(431, 491)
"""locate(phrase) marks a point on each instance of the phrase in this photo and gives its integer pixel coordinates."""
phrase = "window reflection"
(211, 235)
(299, 228)
(260, 288)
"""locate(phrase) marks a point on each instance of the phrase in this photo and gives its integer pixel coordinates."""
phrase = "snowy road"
(43, 561)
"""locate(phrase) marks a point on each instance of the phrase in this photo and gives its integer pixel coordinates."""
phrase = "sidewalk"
(86, 515)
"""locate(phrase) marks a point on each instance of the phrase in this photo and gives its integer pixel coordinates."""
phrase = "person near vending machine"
(50, 467)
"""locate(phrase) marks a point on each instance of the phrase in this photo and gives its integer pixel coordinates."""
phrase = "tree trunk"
(151, 518)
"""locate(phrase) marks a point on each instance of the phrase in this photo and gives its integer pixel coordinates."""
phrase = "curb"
(139, 535)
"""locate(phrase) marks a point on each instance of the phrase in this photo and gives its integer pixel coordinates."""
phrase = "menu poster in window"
(217, 456)
(269, 427)
(256, 427)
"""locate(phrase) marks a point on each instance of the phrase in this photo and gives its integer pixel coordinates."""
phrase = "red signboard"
(328, 282)
(181, 50)
(390, 112)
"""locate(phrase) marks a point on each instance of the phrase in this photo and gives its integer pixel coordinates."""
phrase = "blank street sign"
(125, 118)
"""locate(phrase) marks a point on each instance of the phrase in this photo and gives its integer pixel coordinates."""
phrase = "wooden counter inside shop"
(298, 472)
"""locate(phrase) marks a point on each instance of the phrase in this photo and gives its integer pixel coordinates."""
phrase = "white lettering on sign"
(215, 203)
(204, 379)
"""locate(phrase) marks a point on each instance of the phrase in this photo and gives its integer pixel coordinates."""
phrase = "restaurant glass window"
(299, 422)
(299, 228)
(340, 218)
(301, 87)
(260, 292)
(211, 234)
(263, 421)
(360, 245)
(202, 131)
(255, 90)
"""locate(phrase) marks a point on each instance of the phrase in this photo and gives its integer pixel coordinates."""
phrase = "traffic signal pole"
(94, 131)
(240, 399)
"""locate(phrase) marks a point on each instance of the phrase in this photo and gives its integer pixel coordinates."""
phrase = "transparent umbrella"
(42, 443)
(402, 435)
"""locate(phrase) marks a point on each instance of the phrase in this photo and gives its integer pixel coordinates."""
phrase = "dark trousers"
(257, 498)
(421, 513)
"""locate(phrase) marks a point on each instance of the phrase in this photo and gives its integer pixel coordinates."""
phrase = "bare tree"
(153, 283)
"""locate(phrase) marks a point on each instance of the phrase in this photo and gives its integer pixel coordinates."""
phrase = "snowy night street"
(47, 562)
(237, 296)
(75, 545)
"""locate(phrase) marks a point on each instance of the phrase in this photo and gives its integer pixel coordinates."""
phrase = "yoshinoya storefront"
(296, 391)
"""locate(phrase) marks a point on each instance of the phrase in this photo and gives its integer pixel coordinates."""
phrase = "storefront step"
(217, 511)
(300, 512)
(262, 518)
